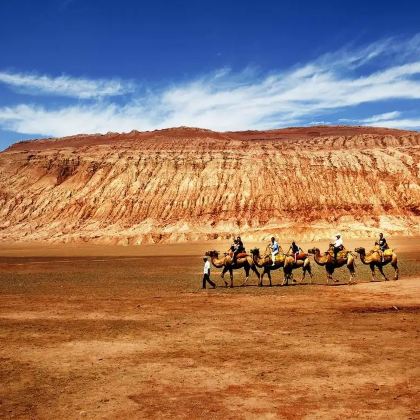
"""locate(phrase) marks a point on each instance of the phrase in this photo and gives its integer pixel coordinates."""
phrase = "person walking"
(206, 274)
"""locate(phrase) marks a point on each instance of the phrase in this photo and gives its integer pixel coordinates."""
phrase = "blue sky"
(88, 66)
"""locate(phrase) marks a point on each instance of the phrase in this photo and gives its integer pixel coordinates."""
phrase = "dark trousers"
(337, 249)
(206, 279)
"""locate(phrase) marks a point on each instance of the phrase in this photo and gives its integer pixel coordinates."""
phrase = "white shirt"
(206, 267)
(338, 242)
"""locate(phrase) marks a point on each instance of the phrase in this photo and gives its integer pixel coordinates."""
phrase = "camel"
(266, 262)
(290, 265)
(327, 260)
(225, 262)
(374, 259)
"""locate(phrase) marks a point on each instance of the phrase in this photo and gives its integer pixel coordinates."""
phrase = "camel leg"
(223, 275)
(372, 271)
(231, 277)
(269, 276)
(330, 272)
(303, 274)
(309, 270)
(350, 266)
(331, 275)
(246, 276)
(286, 278)
(262, 276)
(397, 271)
(304, 270)
(381, 270)
(254, 269)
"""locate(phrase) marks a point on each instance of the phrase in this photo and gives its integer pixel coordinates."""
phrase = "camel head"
(255, 251)
(212, 254)
(360, 251)
(313, 251)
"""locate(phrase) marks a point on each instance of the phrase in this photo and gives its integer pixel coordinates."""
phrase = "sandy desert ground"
(125, 332)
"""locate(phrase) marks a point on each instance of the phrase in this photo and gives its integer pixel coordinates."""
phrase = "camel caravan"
(274, 258)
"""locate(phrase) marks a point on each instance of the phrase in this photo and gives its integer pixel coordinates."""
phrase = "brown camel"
(226, 263)
(290, 265)
(328, 261)
(374, 259)
(266, 262)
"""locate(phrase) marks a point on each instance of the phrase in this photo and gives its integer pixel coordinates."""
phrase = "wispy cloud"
(403, 123)
(374, 118)
(387, 119)
(65, 85)
(224, 100)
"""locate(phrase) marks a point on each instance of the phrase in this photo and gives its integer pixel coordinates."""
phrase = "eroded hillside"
(190, 184)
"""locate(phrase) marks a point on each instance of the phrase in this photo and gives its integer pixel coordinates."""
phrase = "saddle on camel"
(342, 254)
(299, 256)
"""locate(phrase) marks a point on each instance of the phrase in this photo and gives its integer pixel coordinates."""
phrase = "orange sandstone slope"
(186, 184)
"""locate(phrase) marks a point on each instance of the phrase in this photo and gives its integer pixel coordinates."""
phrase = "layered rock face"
(187, 184)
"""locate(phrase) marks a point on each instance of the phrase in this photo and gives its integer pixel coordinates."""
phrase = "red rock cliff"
(191, 184)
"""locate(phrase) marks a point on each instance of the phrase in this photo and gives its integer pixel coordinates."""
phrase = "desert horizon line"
(186, 127)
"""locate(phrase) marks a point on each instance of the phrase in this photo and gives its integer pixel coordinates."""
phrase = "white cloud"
(403, 123)
(71, 120)
(387, 119)
(374, 118)
(226, 101)
(382, 117)
(65, 85)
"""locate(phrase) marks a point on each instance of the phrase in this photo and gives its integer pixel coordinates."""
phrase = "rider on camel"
(338, 245)
(383, 245)
(274, 250)
(238, 248)
(295, 250)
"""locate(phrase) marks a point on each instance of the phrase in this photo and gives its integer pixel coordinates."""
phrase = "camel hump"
(343, 253)
(340, 255)
(302, 256)
(387, 252)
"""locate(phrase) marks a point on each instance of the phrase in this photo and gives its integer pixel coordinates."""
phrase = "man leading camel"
(206, 274)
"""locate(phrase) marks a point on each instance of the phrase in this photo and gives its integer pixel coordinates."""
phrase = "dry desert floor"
(127, 333)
